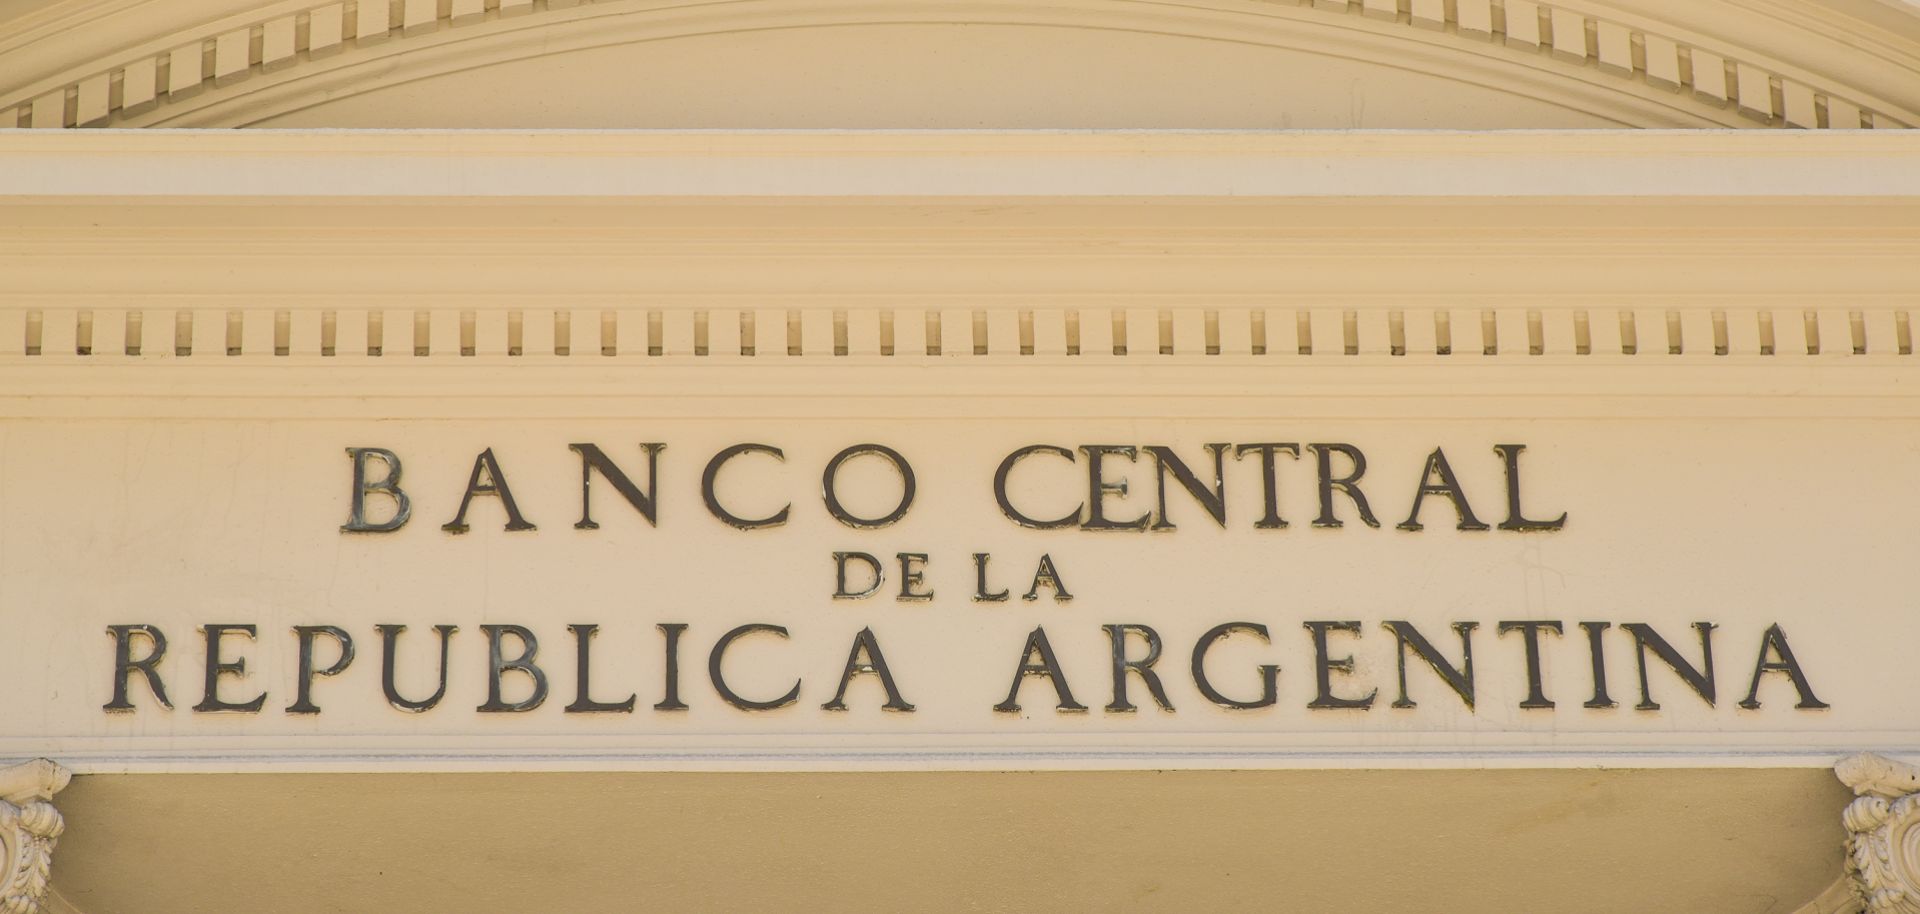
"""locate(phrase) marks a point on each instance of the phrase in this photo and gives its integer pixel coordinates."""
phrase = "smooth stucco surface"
(1703, 841)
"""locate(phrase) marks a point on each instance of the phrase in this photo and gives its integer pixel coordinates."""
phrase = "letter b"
(362, 487)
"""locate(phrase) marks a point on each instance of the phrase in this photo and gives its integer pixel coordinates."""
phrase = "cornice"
(1760, 260)
(197, 75)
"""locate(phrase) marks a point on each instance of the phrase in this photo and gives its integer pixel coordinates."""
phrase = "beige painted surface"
(1455, 842)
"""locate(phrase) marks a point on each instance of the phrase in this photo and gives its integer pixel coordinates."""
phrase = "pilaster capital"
(1883, 840)
(29, 826)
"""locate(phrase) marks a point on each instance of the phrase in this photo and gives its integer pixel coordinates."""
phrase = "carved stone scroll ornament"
(1883, 832)
(29, 826)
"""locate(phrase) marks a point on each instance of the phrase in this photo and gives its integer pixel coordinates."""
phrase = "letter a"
(1048, 667)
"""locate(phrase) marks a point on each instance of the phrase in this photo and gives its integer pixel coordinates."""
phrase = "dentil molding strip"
(915, 333)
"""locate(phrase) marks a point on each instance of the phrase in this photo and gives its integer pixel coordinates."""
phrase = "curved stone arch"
(284, 56)
(1305, 29)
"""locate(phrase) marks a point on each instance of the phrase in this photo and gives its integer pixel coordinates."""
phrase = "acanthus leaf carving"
(29, 828)
(1883, 832)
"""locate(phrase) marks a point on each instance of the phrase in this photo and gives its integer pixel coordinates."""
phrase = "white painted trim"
(853, 752)
(117, 165)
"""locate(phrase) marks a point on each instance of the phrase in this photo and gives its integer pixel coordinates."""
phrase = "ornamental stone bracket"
(1883, 842)
(29, 826)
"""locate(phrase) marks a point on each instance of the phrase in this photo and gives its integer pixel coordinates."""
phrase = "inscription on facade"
(1096, 488)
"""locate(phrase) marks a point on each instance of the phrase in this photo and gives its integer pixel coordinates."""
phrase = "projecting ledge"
(166, 166)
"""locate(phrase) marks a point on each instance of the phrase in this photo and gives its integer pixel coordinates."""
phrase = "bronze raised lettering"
(1269, 673)
(216, 668)
(124, 664)
(712, 499)
(304, 634)
(841, 514)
